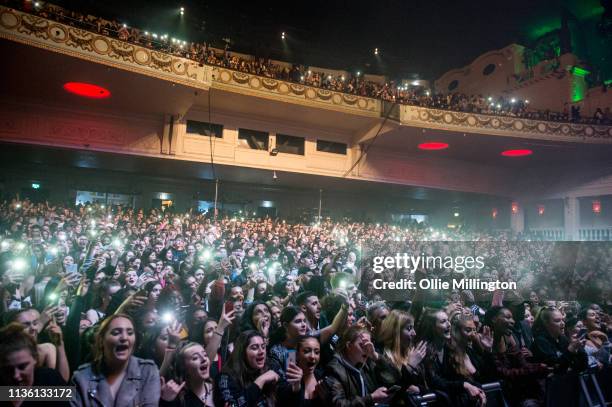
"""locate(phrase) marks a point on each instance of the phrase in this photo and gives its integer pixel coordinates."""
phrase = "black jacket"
(554, 353)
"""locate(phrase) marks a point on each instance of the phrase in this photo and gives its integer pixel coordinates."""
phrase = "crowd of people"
(355, 84)
(184, 309)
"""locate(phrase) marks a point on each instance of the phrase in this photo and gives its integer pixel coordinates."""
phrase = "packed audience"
(183, 309)
(355, 84)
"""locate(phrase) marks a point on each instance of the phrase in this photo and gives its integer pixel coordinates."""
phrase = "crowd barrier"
(580, 390)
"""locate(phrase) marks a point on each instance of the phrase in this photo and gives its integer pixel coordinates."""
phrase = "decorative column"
(571, 217)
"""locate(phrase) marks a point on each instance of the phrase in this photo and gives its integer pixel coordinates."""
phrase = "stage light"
(489, 98)
(154, 35)
(342, 77)
(35, 185)
(513, 100)
(36, 4)
(329, 77)
(146, 33)
(87, 90)
(375, 51)
(283, 35)
(456, 214)
(302, 77)
(517, 153)
(17, 206)
(527, 101)
(427, 92)
(415, 83)
(433, 145)
(124, 25)
(309, 72)
(498, 106)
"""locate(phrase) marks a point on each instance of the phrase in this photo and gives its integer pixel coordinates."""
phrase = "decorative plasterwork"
(53, 36)
(505, 126)
(293, 92)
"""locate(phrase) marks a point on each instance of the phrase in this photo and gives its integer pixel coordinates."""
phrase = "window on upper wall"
(253, 139)
(204, 128)
(331, 147)
(488, 70)
(289, 144)
(453, 85)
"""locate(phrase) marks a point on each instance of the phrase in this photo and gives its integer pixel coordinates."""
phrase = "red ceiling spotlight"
(541, 209)
(517, 153)
(514, 207)
(494, 213)
(597, 206)
(433, 145)
(87, 90)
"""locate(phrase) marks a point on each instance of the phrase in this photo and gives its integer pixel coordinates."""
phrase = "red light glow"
(597, 206)
(433, 145)
(541, 209)
(514, 207)
(516, 153)
(87, 90)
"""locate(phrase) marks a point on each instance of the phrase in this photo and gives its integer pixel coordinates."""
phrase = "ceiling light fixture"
(433, 145)
(87, 90)
(517, 153)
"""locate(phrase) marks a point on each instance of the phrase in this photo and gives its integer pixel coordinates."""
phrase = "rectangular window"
(331, 147)
(253, 139)
(290, 144)
(204, 128)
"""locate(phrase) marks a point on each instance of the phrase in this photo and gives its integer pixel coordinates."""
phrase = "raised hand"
(55, 333)
(47, 314)
(226, 319)
(486, 338)
(170, 390)
(417, 354)
(294, 376)
(174, 333)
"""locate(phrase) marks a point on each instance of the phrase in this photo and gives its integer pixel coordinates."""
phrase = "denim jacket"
(140, 386)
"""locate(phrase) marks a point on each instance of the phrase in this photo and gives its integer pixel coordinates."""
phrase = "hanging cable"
(367, 148)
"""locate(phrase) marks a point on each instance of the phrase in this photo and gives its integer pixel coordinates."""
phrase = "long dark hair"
(237, 366)
(286, 317)
(246, 323)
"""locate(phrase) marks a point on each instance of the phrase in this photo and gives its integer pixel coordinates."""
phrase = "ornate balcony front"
(52, 36)
(506, 126)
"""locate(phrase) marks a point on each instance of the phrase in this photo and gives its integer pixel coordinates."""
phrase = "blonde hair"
(391, 336)
(98, 350)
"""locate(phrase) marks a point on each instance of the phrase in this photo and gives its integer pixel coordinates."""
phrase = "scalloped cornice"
(505, 126)
(52, 36)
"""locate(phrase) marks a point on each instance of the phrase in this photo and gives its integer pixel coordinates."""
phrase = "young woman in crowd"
(399, 364)
(191, 385)
(303, 389)
(50, 354)
(448, 368)
(293, 326)
(115, 377)
(522, 380)
(552, 347)
(246, 380)
(19, 362)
